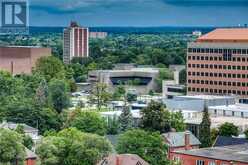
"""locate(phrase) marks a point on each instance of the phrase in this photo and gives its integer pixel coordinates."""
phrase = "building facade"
(21, 59)
(75, 42)
(217, 63)
(227, 155)
(139, 80)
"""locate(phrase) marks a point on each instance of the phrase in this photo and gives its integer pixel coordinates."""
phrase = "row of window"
(222, 58)
(219, 51)
(219, 91)
(215, 66)
(219, 75)
(224, 83)
(225, 114)
(202, 162)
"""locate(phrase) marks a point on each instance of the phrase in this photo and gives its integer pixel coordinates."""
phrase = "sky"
(144, 13)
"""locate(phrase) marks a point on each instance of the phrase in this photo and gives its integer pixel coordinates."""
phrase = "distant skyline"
(142, 13)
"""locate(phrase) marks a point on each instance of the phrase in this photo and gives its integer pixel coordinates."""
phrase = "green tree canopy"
(155, 117)
(205, 131)
(11, 148)
(88, 121)
(126, 119)
(177, 121)
(59, 94)
(228, 129)
(100, 95)
(72, 147)
(148, 145)
(50, 68)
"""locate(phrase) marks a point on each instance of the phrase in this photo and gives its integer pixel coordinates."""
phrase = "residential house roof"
(235, 153)
(123, 159)
(177, 139)
(30, 154)
(13, 126)
(227, 141)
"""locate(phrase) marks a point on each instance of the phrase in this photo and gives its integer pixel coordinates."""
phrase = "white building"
(197, 102)
(235, 110)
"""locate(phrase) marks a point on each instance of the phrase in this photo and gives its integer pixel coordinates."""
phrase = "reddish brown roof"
(123, 159)
(226, 35)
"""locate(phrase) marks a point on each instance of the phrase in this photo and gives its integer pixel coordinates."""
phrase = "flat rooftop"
(13, 46)
(219, 120)
(226, 35)
(236, 153)
(205, 97)
(233, 107)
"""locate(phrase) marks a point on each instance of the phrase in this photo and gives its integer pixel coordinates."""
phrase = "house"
(226, 155)
(123, 159)
(180, 141)
(30, 157)
(30, 131)
(228, 141)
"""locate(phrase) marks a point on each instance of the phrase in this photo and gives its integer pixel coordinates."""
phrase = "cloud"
(222, 3)
(74, 6)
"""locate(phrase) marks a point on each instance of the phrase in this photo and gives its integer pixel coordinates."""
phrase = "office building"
(21, 59)
(76, 42)
(217, 63)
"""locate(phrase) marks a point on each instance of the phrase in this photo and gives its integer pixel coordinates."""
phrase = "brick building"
(226, 155)
(76, 42)
(178, 141)
(21, 59)
(217, 63)
(30, 158)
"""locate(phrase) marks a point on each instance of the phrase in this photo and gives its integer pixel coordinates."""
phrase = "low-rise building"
(142, 80)
(98, 35)
(234, 110)
(194, 124)
(171, 89)
(177, 141)
(227, 155)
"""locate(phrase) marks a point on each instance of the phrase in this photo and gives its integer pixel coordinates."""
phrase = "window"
(200, 162)
(211, 163)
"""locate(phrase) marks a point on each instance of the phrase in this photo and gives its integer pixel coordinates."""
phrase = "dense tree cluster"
(73, 147)
(157, 118)
(11, 148)
(36, 99)
(149, 145)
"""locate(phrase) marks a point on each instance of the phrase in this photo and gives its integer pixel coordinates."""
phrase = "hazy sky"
(139, 12)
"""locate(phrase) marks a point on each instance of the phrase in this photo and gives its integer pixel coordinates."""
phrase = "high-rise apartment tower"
(76, 42)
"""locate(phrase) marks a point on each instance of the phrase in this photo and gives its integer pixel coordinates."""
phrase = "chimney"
(187, 140)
